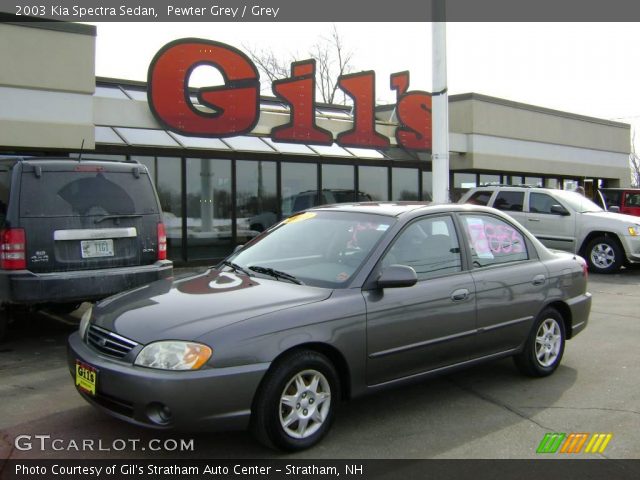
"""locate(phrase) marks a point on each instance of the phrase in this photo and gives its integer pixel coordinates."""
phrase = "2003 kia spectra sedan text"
(329, 304)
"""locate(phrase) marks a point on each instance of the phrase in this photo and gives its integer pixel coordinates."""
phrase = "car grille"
(108, 343)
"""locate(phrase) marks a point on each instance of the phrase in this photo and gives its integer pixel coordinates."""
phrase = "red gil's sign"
(236, 104)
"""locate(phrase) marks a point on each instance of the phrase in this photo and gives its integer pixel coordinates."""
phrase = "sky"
(591, 69)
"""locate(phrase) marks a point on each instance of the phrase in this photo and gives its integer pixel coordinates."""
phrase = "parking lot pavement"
(487, 412)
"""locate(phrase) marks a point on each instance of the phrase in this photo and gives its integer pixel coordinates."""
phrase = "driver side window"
(430, 246)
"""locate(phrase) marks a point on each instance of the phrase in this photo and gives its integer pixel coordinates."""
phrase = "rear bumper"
(580, 307)
(25, 287)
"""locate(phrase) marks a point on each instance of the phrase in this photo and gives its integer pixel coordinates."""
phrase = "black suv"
(76, 230)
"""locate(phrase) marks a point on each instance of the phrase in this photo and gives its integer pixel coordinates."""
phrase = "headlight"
(84, 321)
(634, 231)
(174, 355)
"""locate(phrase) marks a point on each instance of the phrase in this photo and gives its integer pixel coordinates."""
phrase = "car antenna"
(81, 151)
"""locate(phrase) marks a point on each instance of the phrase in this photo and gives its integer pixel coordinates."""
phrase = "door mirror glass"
(614, 209)
(397, 276)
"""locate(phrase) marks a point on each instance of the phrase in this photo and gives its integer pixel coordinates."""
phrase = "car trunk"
(85, 217)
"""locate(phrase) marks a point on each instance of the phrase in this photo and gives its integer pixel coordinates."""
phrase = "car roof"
(62, 162)
(397, 209)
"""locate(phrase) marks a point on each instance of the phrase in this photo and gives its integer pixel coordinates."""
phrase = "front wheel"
(604, 255)
(295, 405)
(545, 345)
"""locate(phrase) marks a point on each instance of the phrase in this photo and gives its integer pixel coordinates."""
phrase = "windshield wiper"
(275, 274)
(112, 217)
(236, 268)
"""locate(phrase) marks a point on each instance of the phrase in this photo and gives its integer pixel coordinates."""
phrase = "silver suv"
(567, 221)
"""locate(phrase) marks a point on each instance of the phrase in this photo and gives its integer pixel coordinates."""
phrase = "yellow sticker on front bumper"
(86, 377)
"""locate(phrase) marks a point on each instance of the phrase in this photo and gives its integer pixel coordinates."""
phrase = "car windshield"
(578, 202)
(323, 249)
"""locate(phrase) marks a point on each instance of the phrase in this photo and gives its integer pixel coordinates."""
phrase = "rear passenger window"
(481, 197)
(493, 241)
(509, 201)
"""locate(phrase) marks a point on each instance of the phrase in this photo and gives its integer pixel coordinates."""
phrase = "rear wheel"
(545, 345)
(295, 405)
(604, 255)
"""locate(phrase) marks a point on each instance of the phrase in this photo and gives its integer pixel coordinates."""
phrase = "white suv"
(567, 221)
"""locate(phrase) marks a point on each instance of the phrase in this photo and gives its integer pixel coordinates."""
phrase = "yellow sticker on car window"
(300, 218)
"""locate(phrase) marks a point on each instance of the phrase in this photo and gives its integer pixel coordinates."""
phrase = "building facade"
(218, 193)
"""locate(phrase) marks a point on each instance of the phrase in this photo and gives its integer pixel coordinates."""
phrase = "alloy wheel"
(305, 404)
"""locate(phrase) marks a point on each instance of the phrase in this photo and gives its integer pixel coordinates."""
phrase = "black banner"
(325, 469)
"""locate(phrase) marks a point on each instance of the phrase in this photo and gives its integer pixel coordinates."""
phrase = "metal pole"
(440, 106)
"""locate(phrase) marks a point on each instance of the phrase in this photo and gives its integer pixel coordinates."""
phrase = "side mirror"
(397, 276)
(614, 209)
(559, 210)
(238, 248)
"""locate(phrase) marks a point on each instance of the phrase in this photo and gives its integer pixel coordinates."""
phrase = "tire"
(604, 255)
(544, 347)
(295, 404)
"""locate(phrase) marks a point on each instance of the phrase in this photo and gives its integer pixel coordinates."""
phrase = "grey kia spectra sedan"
(329, 304)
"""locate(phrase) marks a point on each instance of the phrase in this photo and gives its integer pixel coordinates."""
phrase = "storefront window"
(533, 181)
(569, 184)
(514, 180)
(169, 191)
(150, 163)
(338, 184)
(486, 179)
(551, 182)
(374, 181)
(404, 185)
(462, 182)
(427, 186)
(299, 187)
(209, 208)
(256, 198)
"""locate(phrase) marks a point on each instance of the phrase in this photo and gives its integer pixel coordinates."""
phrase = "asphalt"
(487, 412)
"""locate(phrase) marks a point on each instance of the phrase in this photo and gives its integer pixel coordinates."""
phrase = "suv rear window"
(5, 185)
(85, 193)
(480, 197)
(510, 201)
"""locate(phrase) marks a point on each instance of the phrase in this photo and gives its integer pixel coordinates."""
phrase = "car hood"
(620, 220)
(189, 308)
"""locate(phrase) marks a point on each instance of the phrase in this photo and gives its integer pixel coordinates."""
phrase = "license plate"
(86, 377)
(97, 248)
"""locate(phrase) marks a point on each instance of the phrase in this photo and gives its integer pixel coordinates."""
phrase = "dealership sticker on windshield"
(300, 218)
(86, 377)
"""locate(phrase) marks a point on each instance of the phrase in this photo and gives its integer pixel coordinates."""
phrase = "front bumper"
(26, 287)
(207, 399)
(632, 248)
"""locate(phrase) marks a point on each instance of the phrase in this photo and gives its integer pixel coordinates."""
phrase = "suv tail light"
(162, 242)
(13, 246)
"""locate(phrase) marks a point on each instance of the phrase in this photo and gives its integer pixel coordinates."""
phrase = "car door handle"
(533, 219)
(460, 295)
(539, 280)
